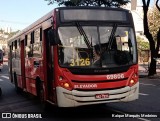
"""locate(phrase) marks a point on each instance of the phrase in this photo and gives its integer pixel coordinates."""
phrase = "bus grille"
(120, 83)
(99, 81)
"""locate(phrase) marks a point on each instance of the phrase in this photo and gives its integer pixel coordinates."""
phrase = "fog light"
(66, 85)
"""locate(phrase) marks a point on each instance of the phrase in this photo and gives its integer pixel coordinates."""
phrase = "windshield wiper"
(110, 42)
(100, 47)
(82, 32)
(89, 45)
(111, 38)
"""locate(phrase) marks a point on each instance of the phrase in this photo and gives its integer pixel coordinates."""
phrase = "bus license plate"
(99, 96)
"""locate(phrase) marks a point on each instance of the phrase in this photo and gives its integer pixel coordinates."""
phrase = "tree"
(143, 49)
(158, 33)
(153, 22)
(154, 46)
(105, 3)
(12, 33)
(142, 45)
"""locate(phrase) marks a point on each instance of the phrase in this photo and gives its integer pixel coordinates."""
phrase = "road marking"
(143, 94)
(143, 119)
(4, 74)
(1, 80)
(6, 77)
(147, 84)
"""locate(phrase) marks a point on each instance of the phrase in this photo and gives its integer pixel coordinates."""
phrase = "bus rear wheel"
(40, 94)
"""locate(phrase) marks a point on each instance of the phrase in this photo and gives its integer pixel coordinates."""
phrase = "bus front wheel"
(0, 91)
(18, 89)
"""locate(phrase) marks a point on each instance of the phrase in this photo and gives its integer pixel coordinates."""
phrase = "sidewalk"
(143, 71)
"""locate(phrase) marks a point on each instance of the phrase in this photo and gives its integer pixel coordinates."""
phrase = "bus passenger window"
(28, 46)
(29, 52)
(37, 44)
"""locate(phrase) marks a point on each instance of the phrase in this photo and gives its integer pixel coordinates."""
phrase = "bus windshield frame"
(100, 46)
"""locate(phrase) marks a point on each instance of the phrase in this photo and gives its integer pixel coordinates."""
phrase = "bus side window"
(37, 43)
(13, 50)
(17, 47)
(28, 46)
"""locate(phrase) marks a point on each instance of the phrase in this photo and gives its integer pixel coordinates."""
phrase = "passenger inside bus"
(111, 53)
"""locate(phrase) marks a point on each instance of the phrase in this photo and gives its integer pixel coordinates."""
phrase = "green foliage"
(1, 31)
(105, 3)
(142, 45)
(153, 22)
(12, 33)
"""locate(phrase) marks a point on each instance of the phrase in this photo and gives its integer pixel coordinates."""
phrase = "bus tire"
(18, 89)
(38, 87)
(0, 91)
(40, 93)
(44, 104)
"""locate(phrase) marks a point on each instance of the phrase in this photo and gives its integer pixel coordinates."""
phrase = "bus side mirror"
(129, 43)
(51, 37)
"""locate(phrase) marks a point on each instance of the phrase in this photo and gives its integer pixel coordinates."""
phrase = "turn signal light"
(66, 85)
(131, 82)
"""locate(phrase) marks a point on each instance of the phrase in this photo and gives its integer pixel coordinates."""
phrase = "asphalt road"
(22, 103)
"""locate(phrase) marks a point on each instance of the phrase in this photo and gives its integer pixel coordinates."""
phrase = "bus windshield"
(106, 46)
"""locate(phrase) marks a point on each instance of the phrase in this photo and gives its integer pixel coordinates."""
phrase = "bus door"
(10, 63)
(28, 58)
(1, 59)
(23, 64)
(50, 69)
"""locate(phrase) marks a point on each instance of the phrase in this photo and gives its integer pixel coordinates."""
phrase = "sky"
(18, 14)
(139, 2)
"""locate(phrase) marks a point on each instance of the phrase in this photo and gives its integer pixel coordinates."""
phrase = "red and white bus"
(76, 56)
(1, 60)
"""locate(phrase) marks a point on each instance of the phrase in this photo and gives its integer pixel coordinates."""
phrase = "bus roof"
(51, 14)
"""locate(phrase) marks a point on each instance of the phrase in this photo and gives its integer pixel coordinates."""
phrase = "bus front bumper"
(74, 98)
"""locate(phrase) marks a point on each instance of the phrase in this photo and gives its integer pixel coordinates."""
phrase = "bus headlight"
(60, 78)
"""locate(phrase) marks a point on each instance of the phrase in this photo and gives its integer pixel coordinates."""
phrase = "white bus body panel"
(74, 98)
